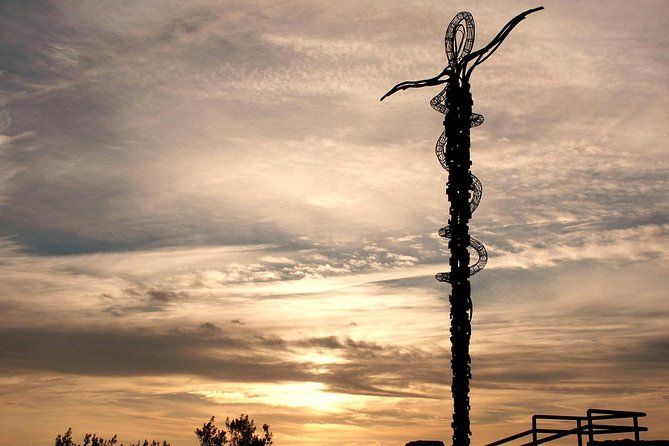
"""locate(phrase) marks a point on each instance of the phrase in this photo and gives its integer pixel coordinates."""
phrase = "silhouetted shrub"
(89, 440)
(209, 435)
(94, 440)
(240, 432)
(153, 443)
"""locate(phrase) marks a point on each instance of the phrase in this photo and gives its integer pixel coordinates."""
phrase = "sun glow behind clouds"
(308, 395)
(319, 359)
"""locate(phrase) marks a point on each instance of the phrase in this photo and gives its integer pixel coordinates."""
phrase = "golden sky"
(205, 210)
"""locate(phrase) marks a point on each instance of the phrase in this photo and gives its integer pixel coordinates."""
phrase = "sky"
(205, 210)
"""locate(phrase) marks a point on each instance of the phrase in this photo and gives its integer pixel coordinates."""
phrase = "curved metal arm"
(487, 51)
(417, 84)
(478, 57)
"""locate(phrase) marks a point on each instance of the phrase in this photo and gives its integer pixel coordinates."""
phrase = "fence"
(589, 425)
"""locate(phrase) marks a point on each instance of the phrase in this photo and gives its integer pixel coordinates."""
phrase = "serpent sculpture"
(464, 193)
(439, 104)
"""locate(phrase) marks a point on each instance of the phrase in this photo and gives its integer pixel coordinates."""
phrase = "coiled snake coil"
(456, 50)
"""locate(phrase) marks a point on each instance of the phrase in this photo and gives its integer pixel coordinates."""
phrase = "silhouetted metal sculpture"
(464, 193)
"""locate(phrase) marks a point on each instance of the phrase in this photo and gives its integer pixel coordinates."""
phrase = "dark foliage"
(94, 440)
(89, 440)
(240, 432)
(209, 435)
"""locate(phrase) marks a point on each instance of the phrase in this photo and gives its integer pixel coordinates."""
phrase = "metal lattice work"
(473, 243)
(459, 38)
(439, 104)
(459, 42)
(464, 192)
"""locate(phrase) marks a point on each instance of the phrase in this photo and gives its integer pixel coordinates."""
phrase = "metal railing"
(585, 425)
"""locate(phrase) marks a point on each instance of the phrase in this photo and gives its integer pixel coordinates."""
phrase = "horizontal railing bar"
(559, 417)
(611, 428)
(550, 431)
(597, 429)
(611, 417)
(619, 412)
(608, 417)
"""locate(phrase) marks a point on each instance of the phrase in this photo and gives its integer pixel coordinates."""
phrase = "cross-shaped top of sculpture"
(459, 41)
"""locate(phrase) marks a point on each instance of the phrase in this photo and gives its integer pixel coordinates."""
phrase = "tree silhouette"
(240, 432)
(94, 440)
(209, 435)
(89, 440)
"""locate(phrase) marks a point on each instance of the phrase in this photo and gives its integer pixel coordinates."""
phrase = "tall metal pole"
(457, 123)
(464, 193)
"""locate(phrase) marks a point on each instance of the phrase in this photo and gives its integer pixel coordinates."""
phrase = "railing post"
(534, 430)
(636, 428)
(591, 432)
(580, 433)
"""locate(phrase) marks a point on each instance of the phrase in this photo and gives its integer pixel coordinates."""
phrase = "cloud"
(141, 301)
(202, 68)
(142, 352)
